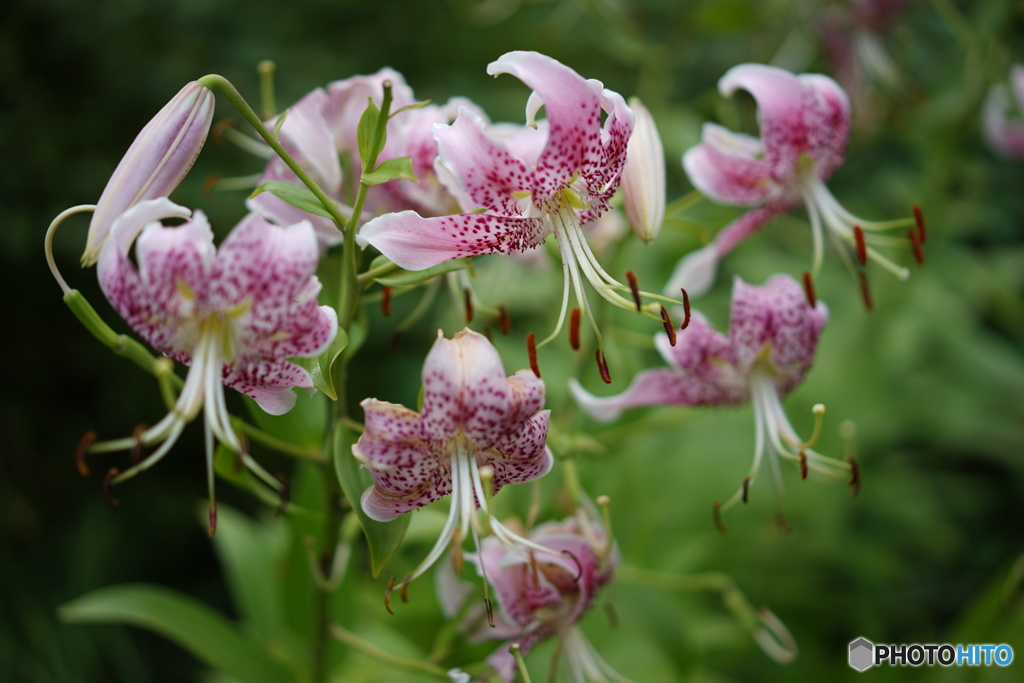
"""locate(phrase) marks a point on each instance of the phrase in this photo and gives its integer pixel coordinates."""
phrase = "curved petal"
(487, 172)
(730, 168)
(660, 386)
(391, 422)
(526, 398)
(347, 101)
(407, 488)
(573, 113)
(695, 272)
(415, 242)
(174, 264)
(827, 121)
(269, 383)
(307, 136)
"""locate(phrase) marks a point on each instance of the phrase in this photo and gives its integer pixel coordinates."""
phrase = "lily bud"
(643, 179)
(157, 160)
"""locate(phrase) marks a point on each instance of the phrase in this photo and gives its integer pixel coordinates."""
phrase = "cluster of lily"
(237, 314)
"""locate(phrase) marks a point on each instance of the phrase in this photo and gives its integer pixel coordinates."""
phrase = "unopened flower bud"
(643, 178)
(157, 160)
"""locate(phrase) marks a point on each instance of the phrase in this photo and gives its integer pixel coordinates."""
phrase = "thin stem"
(259, 436)
(351, 639)
(366, 278)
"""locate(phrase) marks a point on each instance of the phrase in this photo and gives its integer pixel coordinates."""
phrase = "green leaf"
(296, 195)
(208, 635)
(400, 167)
(382, 537)
(407, 278)
(319, 367)
(366, 131)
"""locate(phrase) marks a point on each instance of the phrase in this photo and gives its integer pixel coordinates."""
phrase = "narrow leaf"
(400, 167)
(382, 537)
(406, 278)
(208, 635)
(366, 131)
(319, 367)
(296, 195)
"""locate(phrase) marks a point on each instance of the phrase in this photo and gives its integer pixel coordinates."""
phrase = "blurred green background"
(933, 377)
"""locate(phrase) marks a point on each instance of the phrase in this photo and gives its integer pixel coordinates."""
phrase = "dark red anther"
(634, 287)
(209, 183)
(212, 518)
(686, 309)
(746, 488)
(670, 329)
(854, 476)
(780, 522)
(812, 300)
(88, 439)
(862, 247)
(915, 244)
(405, 589)
(136, 450)
(574, 329)
(922, 234)
(490, 612)
(218, 130)
(396, 342)
(111, 473)
(717, 517)
(803, 465)
(467, 298)
(602, 366)
(865, 291)
(385, 301)
(387, 595)
(506, 322)
(531, 348)
(579, 567)
(286, 494)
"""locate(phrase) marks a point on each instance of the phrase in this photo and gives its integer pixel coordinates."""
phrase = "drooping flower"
(541, 596)
(157, 160)
(233, 315)
(773, 335)
(473, 417)
(323, 125)
(527, 191)
(804, 122)
(1002, 116)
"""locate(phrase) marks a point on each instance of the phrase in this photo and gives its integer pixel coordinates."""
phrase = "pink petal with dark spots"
(269, 383)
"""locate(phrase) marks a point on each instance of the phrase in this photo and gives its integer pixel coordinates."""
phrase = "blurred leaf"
(200, 630)
(366, 131)
(296, 195)
(415, 277)
(382, 537)
(400, 167)
(303, 426)
(319, 367)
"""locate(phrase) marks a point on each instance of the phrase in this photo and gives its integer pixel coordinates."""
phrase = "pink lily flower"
(1003, 134)
(233, 315)
(773, 335)
(473, 417)
(157, 160)
(323, 124)
(527, 191)
(539, 597)
(804, 122)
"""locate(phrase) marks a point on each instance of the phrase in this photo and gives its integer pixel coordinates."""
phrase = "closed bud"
(643, 179)
(157, 160)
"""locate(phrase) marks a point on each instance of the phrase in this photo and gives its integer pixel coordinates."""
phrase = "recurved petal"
(573, 112)
(487, 172)
(347, 100)
(174, 264)
(730, 168)
(391, 422)
(660, 386)
(420, 480)
(695, 272)
(526, 398)
(415, 242)
(269, 383)
(307, 136)
(827, 121)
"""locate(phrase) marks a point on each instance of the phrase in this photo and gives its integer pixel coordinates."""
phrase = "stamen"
(87, 440)
(385, 301)
(457, 561)
(915, 244)
(717, 517)
(490, 612)
(854, 476)
(746, 487)
(387, 595)
(209, 183)
(780, 522)
(803, 465)
(686, 309)
(862, 247)
(467, 298)
(213, 517)
(506, 322)
(865, 291)
(634, 287)
(405, 589)
(576, 561)
(531, 348)
(135, 453)
(670, 329)
(111, 473)
(604, 502)
(286, 495)
(602, 366)
(574, 329)
(812, 300)
(922, 234)
(217, 134)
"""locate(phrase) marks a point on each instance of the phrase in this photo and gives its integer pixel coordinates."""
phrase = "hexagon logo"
(862, 654)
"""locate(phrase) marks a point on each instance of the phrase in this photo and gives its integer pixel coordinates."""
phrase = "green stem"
(683, 203)
(224, 86)
(259, 436)
(366, 278)
(378, 653)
